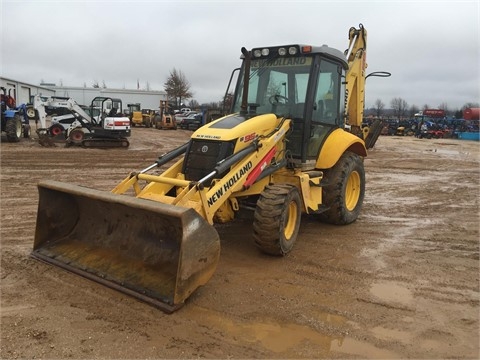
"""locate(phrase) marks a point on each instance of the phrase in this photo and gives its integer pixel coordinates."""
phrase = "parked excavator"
(104, 126)
(293, 144)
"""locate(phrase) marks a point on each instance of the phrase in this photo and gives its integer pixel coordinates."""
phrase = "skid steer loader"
(292, 145)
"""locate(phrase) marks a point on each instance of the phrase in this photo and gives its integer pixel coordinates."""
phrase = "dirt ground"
(401, 282)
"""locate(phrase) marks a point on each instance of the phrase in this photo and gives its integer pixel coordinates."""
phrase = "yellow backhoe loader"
(293, 144)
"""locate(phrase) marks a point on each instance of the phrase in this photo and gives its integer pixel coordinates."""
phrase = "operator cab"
(297, 82)
(108, 108)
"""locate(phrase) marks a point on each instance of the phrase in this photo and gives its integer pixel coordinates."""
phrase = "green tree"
(177, 87)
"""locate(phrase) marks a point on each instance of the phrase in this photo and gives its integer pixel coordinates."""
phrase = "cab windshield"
(277, 86)
(284, 85)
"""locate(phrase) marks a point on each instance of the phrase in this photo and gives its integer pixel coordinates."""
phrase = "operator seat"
(329, 112)
(296, 110)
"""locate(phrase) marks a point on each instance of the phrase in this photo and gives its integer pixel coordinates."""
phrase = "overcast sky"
(431, 47)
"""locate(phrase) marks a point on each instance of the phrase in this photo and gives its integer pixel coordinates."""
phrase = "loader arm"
(57, 102)
(207, 195)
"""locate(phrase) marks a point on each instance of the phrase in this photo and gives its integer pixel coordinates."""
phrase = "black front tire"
(277, 219)
(345, 190)
(13, 128)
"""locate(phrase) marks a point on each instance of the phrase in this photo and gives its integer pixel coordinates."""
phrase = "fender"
(336, 144)
(10, 113)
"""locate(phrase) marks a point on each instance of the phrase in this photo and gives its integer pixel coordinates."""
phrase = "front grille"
(202, 156)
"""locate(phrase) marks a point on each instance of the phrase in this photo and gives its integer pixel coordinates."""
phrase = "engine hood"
(235, 126)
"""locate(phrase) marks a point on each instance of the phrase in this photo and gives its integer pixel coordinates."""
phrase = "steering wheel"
(275, 99)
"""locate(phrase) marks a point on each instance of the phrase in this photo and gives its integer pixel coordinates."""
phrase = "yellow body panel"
(245, 131)
(336, 144)
(137, 117)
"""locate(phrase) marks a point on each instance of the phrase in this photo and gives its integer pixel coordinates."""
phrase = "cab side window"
(326, 107)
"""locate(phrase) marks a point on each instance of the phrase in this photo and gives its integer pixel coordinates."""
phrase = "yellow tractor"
(135, 114)
(165, 119)
(293, 144)
(148, 116)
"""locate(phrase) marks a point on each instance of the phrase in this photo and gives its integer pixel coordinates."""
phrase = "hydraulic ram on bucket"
(156, 252)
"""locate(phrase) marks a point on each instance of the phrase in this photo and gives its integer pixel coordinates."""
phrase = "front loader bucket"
(156, 252)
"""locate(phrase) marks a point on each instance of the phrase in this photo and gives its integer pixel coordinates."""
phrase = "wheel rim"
(30, 112)
(352, 190)
(291, 221)
(76, 135)
(55, 130)
(19, 128)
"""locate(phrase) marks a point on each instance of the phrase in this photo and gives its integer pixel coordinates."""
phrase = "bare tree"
(399, 107)
(227, 102)
(443, 106)
(413, 110)
(379, 106)
(193, 104)
(177, 87)
(95, 84)
(470, 105)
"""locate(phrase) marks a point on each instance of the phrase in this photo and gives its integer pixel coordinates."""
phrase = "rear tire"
(13, 128)
(277, 219)
(345, 190)
(157, 122)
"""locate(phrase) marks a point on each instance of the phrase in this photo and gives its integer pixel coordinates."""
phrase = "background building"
(148, 99)
(23, 93)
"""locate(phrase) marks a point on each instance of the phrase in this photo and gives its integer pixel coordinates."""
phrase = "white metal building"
(148, 99)
(23, 92)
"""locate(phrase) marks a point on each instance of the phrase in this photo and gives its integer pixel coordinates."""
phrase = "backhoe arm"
(355, 78)
(240, 171)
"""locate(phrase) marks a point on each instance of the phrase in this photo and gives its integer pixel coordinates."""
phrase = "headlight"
(282, 51)
(265, 52)
(257, 53)
(292, 50)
